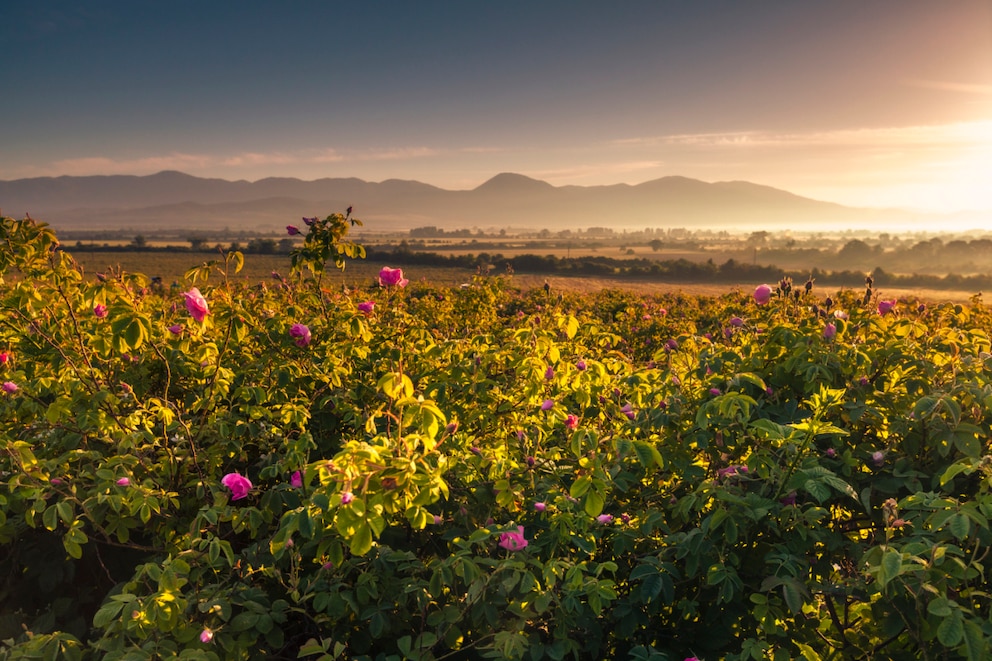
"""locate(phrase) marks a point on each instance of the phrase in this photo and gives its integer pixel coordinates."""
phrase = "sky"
(885, 103)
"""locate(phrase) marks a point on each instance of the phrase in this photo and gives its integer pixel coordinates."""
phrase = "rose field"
(290, 469)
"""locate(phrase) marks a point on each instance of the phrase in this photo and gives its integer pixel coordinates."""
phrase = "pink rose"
(347, 497)
(301, 333)
(513, 541)
(366, 307)
(829, 331)
(762, 294)
(296, 480)
(123, 482)
(549, 373)
(605, 519)
(292, 230)
(571, 422)
(885, 307)
(196, 305)
(206, 635)
(628, 411)
(540, 507)
(238, 484)
(4, 357)
(100, 310)
(392, 277)
(10, 387)
(176, 329)
(547, 405)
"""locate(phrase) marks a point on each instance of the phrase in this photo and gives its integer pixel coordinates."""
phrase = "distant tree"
(139, 242)
(196, 243)
(656, 244)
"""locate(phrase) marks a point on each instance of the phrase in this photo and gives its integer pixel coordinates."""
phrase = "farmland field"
(259, 268)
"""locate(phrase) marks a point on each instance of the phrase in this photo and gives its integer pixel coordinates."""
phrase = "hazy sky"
(880, 103)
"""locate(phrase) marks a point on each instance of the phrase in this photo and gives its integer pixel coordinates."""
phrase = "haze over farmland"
(640, 114)
(173, 199)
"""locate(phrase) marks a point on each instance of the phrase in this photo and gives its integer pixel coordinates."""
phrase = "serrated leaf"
(951, 630)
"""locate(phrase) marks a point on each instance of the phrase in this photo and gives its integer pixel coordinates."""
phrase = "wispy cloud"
(908, 136)
(224, 164)
(950, 86)
(599, 171)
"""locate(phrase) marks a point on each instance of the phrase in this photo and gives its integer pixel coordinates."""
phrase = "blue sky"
(885, 103)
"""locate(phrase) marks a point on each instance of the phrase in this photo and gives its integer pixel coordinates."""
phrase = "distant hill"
(177, 200)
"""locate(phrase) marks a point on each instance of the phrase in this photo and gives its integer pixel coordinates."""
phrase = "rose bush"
(483, 472)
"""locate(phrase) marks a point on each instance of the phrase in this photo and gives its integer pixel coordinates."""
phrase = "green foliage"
(693, 477)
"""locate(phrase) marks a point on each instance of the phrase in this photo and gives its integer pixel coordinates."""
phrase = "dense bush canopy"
(223, 471)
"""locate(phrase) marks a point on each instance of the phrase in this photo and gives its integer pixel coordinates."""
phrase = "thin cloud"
(949, 86)
(958, 133)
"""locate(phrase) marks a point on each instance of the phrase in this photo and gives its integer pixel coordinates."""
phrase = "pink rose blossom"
(840, 314)
(885, 307)
(10, 387)
(737, 322)
(513, 541)
(605, 519)
(547, 405)
(549, 373)
(628, 411)
(540, 507)
(238, 484)
(347, 497)
(4, 357)
(57, 481)
(124, 482)
(392, 277)
(296, 480)
(878, 458)
(176, 329)
(100, 310)
(301, 333)
(292, 230)
(829, 331)
(196, 305)
(206, 635)
(571, 422)
(762, 294)
(366, 307)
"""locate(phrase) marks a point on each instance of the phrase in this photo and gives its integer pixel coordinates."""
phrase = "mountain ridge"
(505, 200)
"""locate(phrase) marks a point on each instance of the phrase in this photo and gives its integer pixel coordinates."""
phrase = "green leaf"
(361, 542)
(890, 567)
(960, 526)
(951, 630)
(594, 502)
(975, 644)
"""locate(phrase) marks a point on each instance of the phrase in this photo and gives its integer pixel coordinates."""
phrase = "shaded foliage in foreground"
(689, 476)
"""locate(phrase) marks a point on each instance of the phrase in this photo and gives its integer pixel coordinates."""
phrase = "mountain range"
(176, 200)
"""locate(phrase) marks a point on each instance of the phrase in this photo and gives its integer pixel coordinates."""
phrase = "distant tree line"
(677, 270)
